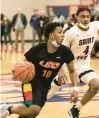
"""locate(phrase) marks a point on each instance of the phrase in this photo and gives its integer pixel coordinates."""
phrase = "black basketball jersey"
(47, 65)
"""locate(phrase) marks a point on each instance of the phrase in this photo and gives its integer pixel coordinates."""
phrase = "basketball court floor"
(56, 107)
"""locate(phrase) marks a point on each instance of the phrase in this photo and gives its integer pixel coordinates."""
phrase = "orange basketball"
(24, 71)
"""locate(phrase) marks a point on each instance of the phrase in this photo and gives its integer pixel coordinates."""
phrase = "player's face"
(58, 35)
(84, 17)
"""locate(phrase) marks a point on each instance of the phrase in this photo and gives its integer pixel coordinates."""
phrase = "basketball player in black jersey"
(48, 59)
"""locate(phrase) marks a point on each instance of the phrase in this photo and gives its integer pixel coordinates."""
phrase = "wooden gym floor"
(54, 107)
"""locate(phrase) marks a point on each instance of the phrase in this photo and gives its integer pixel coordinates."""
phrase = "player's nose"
(62, 35)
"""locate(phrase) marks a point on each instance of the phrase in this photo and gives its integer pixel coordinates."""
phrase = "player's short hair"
(50, 28)
(83, 9)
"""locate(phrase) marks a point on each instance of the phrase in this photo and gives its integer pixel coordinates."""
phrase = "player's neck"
(82, 28)
(51, 48)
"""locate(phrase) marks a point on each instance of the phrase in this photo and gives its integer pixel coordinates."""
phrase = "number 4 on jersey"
(86, 50)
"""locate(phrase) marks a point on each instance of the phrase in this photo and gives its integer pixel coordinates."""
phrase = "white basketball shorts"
(86, 74)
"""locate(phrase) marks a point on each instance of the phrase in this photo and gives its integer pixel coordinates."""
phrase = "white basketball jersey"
(81, 44)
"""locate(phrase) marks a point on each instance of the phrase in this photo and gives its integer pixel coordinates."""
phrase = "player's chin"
(61, 41)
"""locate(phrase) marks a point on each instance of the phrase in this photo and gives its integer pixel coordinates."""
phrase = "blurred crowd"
(38, 20)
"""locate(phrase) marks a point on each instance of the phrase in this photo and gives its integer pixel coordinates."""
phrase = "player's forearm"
(73, 77)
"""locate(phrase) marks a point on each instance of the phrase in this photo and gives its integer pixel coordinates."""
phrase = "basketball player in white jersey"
(80, 38)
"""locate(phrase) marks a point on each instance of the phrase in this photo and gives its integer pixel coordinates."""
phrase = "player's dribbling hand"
(74, 96)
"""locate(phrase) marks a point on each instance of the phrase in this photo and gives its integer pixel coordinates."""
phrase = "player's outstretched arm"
(73, 77)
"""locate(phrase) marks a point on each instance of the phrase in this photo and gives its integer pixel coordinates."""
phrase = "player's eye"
(59, 32)
(82, 16)
(88, 16)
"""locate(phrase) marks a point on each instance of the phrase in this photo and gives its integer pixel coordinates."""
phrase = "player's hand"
(74, 96)
(62, 79)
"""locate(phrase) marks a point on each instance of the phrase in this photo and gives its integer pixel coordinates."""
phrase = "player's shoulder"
(67, 53)
(43, 44)
(71, 32)
(65, 48)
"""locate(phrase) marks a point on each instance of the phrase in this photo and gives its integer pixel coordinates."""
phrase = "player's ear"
(51, 35)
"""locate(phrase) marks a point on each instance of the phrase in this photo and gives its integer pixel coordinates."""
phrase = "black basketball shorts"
(34, 94)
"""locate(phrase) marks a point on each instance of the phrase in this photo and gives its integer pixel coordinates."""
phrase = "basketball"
(23, 71)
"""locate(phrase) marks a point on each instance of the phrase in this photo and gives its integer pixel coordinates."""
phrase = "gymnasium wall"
(9, 8)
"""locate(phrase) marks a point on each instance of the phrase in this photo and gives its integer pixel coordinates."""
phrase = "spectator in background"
(95, 11)
(42, 21)
(1, 16)
(97, 17)
(94, 17)
(1, 28)
(19, 23)
(34, 24)
(51, 14)
(70, 22)
(7, 25)
(59, 19)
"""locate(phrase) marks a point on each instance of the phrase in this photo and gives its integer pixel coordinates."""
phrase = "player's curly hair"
(49, 28)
